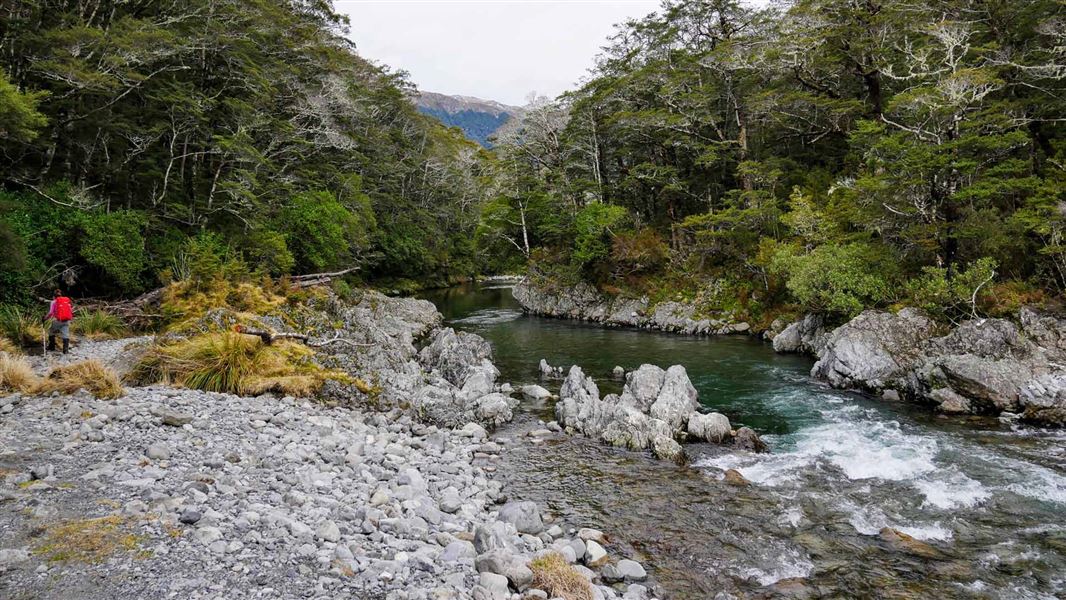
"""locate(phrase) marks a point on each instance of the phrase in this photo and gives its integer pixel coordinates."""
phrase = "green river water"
(986, 500)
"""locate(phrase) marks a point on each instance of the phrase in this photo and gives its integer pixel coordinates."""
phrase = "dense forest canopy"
(138, 136)
(823, 154)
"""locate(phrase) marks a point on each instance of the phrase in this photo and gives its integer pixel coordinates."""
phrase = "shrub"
(21, 326)
(97, 324)
(594, 227)
(113, 243)
(955, 297)
(842, 279)
(16, 374)
(234, 363)
(554, 575)
(90, 375)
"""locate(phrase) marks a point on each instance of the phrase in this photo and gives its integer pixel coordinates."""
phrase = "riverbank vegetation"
(825, 155)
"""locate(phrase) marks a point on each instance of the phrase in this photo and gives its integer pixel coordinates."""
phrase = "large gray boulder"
(642, 387)
(1043, 399)
(525, 516)
(806, 336)
(454, 353)
(677, 399)
(875, 350)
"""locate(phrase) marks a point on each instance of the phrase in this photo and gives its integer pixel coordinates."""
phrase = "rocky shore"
(170, 492)
(585, 303)
(995, 367)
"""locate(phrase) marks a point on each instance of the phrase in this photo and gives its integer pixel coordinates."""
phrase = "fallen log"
(269, 337)
(313, 279)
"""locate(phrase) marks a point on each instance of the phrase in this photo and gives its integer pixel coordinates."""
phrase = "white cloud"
(495, 49)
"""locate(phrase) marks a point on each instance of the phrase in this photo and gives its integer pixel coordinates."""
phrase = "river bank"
(388, 493)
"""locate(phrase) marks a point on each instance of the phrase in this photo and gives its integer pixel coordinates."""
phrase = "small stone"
(587, 534)
(176, 419)
(525, 516)
(733, 477)
(157, 452)
(190, 516)
(329, 531)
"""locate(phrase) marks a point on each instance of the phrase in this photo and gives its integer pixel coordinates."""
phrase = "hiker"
(61, 311)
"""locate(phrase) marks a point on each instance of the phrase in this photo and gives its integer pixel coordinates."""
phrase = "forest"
(826, 155)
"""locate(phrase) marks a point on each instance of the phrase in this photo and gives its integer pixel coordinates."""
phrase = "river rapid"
(986, 499)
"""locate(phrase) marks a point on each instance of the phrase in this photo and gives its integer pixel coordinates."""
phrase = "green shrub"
(956, 297)
(595, 225)
(21, 325)
(113, 243)
(841, 279)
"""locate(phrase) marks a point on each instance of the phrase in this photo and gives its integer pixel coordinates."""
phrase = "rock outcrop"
(584, 302)
(981, 366)
(655, 411)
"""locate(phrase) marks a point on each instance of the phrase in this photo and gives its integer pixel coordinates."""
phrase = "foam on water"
(950, 488)
(787, 564)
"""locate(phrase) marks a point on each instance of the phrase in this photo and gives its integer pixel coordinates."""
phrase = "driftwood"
(269, 337)
(313, 279)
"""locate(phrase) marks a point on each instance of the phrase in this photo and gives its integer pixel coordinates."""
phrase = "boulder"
(677, 399)
(525, 516)
(806, 336)
(712, 427)
(1043, 399)
(642, 387)
(453, 353)
(875, 350)
(535, 392)
(747, 439)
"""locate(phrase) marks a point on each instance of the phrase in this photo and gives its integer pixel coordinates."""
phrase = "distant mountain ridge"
(478, 118)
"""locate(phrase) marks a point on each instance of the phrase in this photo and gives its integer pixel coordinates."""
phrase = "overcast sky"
(494, 49)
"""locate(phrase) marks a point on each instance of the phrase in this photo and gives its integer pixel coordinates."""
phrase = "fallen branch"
(269, 337)
(313, 279)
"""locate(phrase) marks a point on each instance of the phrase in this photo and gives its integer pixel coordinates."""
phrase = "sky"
(493, 49)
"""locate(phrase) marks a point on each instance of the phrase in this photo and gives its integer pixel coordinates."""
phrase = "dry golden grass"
(16, 375)
(554, 575)
(8, 347)
(184, 302)
(86, 540)
(234, 363)
(90, 375)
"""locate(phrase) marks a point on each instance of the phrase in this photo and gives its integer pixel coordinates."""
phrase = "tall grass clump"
(233, 363)
(554, 575)
(90, 375)
(16, 375)
(97, 325)
(21, 326)
(7, 346)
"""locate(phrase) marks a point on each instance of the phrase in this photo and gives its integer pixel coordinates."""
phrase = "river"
(986, 499)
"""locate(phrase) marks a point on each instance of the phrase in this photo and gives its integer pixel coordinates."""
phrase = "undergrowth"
(233, 363)
(7, 346)
(97, 325)
(21, 326)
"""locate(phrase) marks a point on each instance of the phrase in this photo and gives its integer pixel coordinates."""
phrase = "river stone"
(458, 551)
(618, 372)
(805, 336)
(578, 386)
(535, 392)
(491, 586)
(1043, 399)
(712, 427)
(525, 516)
(157, 452)
(595, 555)
(631, 570)
(747, 439)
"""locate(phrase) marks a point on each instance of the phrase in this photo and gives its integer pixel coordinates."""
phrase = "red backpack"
(64, 310)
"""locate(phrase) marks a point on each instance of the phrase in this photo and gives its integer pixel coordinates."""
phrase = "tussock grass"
(21, 326)
(97, 325)
(8, 347)
(91, 375)
(233, 363)
(185, 303)
(16, 375)
(554, 575)
(86, 540)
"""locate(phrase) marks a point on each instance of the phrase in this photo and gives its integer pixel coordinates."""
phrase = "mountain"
(478, 118)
